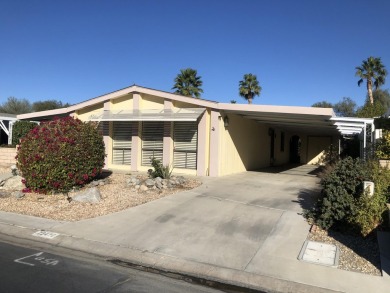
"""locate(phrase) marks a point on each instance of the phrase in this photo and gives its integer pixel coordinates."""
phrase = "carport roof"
(310, 120)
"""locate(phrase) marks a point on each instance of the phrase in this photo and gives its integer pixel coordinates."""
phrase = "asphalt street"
(29, 270)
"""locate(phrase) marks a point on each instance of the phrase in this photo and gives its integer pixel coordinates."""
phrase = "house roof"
(6, 116)
(306, 119)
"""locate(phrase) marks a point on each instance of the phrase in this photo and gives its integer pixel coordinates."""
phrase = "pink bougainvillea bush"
(60, 154)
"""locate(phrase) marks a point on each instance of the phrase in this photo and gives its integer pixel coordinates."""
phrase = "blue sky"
(301, 51)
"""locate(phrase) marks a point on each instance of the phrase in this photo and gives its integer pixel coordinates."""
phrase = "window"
(152, 141)
(185, 139)
(121, 143)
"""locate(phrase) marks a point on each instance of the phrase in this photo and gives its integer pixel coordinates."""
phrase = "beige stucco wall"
(84, 114)
(122, 103)
(316, 148)
(151, 102)
(127, 103)
(244, 145)
(282, 157)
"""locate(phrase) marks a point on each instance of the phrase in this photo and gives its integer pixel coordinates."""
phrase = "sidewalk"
(206, 236)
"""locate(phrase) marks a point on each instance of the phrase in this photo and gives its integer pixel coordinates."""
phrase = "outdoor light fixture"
(226, 121)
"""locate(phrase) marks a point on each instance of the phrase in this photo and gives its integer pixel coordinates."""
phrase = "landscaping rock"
(94, 183)
(91, 195)
(158, 184)
(4, 194)
(17, 194)
(180, 180)
(14, 183)
(14, 170)
(149, 182)
(4, 177)
(143, 188)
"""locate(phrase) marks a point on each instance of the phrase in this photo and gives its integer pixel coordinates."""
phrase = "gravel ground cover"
(116, 196)
(357, 254)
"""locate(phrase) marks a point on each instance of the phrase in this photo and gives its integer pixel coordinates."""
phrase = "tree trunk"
(250, 98)
(369, 90)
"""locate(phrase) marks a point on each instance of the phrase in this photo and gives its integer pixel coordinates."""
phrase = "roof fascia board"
(54, 112)
(278, 109)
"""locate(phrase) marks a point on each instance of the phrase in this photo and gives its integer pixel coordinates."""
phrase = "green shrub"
(369, 211)
(340, 188)
(20, 129)
(344, 202)
(382, 147)
(60, 154)
(159, 169)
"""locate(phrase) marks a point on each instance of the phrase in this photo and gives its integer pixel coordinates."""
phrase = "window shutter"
(152, 141)
(185, 137)
(121, 143)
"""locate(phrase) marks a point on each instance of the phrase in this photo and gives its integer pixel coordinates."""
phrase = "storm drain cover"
(320, 253)
(45, 234)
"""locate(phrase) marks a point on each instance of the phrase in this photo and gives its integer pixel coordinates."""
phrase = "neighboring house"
(201, 137)
(6, 121)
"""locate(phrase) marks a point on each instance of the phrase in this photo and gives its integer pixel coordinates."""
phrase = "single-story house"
(202, 137)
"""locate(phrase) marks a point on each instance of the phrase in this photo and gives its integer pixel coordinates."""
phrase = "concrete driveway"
(227, 222)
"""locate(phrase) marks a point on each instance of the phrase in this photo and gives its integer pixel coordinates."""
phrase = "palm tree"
(371, 69)
(187, 83)
(249, 87)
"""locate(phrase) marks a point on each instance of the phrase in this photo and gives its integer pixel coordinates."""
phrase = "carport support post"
(106, 134)
(214, 144)
(202, 147)
(135, 138)
(167, 141)
(364, 141)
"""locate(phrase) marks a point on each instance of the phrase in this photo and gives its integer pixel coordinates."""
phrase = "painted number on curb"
(37, 257)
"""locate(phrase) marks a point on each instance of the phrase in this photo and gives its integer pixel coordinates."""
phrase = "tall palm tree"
(371, 70)
(249, 87)
(188, 83)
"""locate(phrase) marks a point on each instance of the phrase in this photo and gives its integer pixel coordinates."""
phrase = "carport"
(298, 135)
(6, 121)
(301, 135)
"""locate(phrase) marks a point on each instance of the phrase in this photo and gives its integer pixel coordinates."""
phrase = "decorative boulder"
(91, 195)
(149, 182)
(14, 183)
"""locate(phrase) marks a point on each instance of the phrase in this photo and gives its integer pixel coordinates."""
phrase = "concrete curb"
(167, 265)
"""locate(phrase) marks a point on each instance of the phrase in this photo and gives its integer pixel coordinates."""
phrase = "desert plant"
(159, 169)
(60, 154)
(21, 128)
